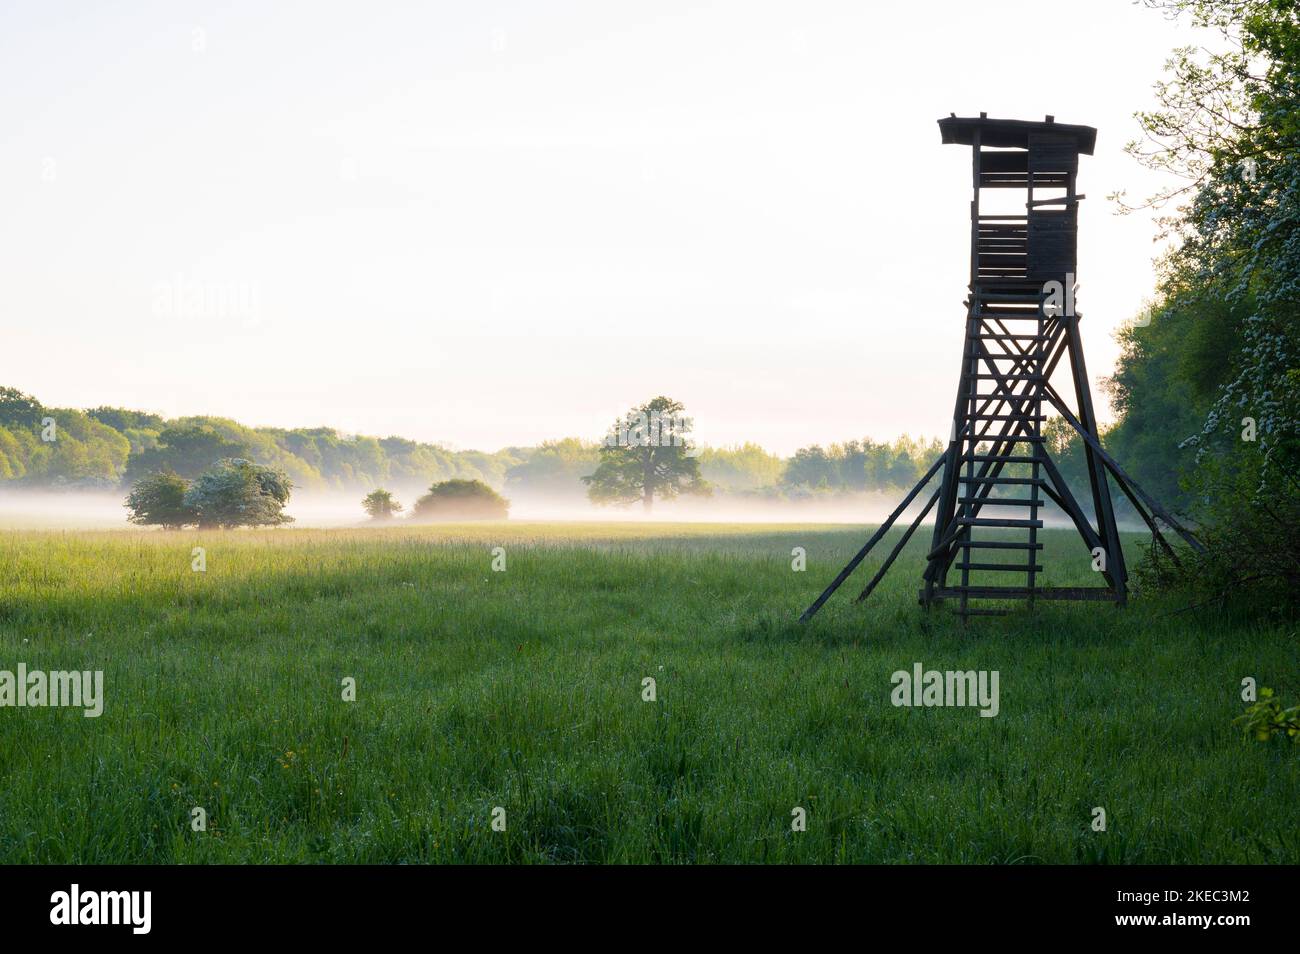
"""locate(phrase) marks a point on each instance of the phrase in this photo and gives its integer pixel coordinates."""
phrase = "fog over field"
(84, 510)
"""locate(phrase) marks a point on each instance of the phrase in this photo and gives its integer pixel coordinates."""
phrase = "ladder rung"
(1005, 438)
(1001, 545)
(1024, 481)
(1002, 501)
(1007, 417)
(993, 458)
(1002, 567)
(1013, 592)
(986, 591)
(997, 522)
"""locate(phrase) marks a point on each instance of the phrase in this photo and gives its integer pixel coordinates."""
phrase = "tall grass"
(523, 690)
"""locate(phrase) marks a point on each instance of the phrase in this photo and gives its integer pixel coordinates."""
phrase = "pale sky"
(495, 223)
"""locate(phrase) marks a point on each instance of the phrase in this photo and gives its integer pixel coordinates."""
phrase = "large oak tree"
(647, 454)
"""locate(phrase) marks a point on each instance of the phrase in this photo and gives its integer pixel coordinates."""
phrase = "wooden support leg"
(889, 560)
(811, 611)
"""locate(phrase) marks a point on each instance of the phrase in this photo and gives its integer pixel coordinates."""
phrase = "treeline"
(557, 468)
(109, 448)
(1208, 384)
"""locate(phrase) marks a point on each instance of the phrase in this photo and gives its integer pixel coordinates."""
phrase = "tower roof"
(1011, 132)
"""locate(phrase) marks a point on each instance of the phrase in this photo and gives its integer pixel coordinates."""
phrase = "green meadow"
(523, 690)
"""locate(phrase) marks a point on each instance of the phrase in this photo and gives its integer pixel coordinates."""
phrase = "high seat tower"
(1022, 334)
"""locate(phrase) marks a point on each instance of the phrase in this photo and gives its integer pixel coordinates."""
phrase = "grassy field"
(522, 690)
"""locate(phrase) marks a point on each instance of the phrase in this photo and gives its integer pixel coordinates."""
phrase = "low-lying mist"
(72, 510)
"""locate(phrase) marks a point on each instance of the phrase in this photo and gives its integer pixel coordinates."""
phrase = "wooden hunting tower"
(1021, 329)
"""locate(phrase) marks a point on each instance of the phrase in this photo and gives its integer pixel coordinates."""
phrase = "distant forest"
(108, 448)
